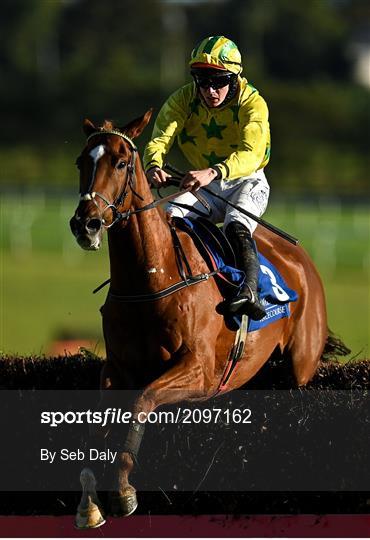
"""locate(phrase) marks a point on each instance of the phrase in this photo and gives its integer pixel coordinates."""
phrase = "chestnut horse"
(172, 348)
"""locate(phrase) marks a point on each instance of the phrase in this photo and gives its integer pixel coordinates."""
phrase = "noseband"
(129, 184)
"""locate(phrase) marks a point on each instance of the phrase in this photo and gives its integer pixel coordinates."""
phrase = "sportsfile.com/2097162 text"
(119, 416)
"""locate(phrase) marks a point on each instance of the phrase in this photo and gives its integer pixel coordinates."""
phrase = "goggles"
(216, 82)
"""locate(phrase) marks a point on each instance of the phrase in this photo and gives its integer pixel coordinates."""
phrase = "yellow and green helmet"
(217, 52)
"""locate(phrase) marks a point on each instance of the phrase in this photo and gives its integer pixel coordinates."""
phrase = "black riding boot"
(246, 259)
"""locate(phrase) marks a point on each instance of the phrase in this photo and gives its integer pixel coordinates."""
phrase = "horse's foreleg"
(123, 501)
(89, 514)
(184, 381)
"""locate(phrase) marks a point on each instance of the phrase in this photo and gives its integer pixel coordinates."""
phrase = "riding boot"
(247, 301)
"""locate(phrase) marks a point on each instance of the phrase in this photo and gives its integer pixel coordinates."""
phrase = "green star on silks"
(252, 88)
(235, 109)
(185, 137)
(213, 158)
(194, 106)
(214, 130)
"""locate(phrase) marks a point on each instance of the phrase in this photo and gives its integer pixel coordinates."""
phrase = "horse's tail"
(334, 347)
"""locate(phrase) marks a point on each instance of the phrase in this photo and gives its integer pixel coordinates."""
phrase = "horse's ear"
(88, 127)
(134, 128)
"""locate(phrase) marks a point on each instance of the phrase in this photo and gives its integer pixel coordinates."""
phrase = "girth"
(185, 272)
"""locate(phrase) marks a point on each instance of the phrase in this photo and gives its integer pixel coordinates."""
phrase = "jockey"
(221, 125)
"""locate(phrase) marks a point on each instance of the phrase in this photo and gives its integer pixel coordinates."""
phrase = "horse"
(163, 340)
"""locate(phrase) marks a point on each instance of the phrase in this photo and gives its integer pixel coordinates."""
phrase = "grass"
(46, 299)
(47, 280)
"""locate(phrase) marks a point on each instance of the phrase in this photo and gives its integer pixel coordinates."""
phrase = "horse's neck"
(141, 250)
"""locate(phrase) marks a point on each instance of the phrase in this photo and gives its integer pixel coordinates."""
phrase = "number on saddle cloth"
(274, 294)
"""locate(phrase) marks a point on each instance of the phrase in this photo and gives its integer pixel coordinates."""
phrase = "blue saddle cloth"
(274, 293)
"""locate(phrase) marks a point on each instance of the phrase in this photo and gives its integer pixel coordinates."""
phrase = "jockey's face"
(214, 96)
(213, 86)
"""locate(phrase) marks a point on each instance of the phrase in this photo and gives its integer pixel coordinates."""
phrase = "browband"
(113, 132)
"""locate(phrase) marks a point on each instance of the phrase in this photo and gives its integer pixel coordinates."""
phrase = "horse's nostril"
(93, 225)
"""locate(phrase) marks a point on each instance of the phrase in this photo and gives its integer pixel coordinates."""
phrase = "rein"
(130, 182)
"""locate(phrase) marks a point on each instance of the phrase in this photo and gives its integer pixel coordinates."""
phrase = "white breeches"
(250, 193)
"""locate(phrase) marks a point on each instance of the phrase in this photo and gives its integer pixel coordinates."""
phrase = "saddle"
(215, 249)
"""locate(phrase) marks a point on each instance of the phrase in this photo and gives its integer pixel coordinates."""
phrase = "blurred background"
(64, 60)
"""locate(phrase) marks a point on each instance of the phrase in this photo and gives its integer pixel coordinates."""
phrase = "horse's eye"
(78, 163)
(121, 165)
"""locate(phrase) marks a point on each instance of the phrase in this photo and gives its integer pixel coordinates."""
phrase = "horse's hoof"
(89, 518)
(125, 504)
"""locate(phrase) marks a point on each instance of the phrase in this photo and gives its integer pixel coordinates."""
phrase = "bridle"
(128, 185)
